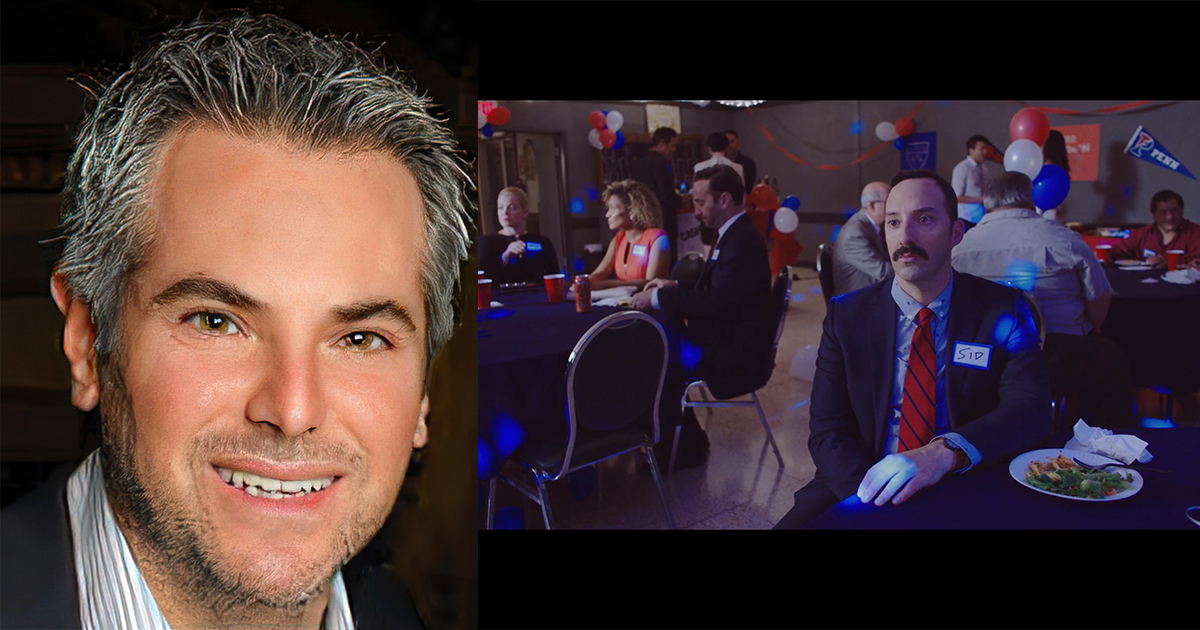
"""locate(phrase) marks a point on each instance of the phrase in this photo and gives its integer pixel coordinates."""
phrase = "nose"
(289, 395)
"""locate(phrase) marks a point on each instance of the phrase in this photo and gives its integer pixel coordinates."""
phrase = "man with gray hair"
(1014, 245)
(860, 255)
(262, 238)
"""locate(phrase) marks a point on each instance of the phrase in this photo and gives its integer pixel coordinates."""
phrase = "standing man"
(734, 153)
(262, 237)
(718, 144)
(860, 256)
(727, 313)
(654, 170)
(1169, 231)
(932, 373)
(969, 179)
(1015, 245)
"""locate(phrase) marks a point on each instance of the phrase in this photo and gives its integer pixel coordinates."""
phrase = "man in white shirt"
(262, 237)
(718, 143)
(969, 179)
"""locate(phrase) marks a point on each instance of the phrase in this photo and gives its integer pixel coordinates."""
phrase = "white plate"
(1136, 268)
(1127, 262)
(1019, 466)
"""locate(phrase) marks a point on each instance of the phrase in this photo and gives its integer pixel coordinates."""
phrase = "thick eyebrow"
(206, 288)
(896, 212)
(360, 311)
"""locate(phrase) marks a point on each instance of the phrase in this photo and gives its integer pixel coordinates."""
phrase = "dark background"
(432, 531)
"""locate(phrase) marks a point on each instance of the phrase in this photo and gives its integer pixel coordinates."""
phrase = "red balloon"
(607, 138)
(499, 116)
(596, 118)
(1030, 124)
(904, 126)
(764, 197)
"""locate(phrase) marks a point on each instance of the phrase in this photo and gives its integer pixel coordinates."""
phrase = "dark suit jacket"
(37, 574)
(654, 170)
(728, 313)
(1001, 411)
(859, 256)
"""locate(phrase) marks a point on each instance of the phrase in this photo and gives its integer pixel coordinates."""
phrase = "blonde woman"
(640, 251)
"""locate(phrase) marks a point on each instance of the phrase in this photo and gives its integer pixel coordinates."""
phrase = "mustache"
(278, 449)
(909, 248)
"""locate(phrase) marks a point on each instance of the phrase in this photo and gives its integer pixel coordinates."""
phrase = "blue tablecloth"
(989, 498)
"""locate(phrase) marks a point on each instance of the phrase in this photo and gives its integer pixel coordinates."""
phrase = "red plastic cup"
(1173, 258)
(1102, 252)
(485, 293)
(554, 286)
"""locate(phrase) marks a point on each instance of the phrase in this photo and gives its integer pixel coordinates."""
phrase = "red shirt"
(1148, 238)
(632, 259)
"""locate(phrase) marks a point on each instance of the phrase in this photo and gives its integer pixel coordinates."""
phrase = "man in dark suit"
(262, 236)
(860, 256)
(654, 170)
(932, 373)
(725, 317)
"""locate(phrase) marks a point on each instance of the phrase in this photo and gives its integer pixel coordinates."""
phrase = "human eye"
(926, 219)
(211, 323)
(893, 222)
(364, 341)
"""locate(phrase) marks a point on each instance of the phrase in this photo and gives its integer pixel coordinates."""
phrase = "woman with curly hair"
(640, 251)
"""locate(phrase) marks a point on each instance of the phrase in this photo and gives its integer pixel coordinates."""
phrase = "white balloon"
(614, 120)
(594, 138)
(786, 220)
(1024, 156)
(804, 363)
(482, 120)
(886, 131)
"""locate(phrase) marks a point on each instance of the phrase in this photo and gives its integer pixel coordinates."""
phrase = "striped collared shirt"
(112, 593)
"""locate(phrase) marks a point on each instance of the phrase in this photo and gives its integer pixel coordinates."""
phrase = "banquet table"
(523, 350)
(1155, 325)
(988, 497)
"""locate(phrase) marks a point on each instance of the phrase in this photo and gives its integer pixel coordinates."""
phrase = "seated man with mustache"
(262, 237)
(929, 373)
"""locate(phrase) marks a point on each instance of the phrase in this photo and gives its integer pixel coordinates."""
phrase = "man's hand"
(641, 301)
(660, 283)
(898, 477)
(515, 248)
(1157, 261)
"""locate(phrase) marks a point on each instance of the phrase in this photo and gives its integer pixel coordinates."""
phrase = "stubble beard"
(171, 540)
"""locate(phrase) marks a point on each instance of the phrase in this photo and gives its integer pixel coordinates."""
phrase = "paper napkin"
(1125, 448)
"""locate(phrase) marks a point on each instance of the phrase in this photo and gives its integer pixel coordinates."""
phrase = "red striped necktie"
(917, 409)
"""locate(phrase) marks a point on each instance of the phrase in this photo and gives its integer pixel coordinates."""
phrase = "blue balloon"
(1050, 187)
(619, 141)
(488, 130)
(900, 143)
(792, 201)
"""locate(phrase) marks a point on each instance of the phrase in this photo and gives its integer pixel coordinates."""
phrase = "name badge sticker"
(639, 250)
(716, 252)
(533, 247)
(971, 355)
(1146, 253)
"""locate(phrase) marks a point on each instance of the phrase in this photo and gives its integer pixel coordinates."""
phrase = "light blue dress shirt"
(906, 325)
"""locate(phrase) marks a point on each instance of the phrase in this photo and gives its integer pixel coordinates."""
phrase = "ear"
(79, 338)
(957, 232)
(421, 436)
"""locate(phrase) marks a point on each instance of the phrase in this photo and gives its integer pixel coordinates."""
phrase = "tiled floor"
(742, 486)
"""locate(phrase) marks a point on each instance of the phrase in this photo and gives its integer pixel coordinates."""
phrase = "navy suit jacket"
(728, 312)
(1001, 411)
(38, 583)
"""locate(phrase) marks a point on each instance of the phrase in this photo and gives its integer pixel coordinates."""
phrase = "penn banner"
(1143, 146)
(920, 151)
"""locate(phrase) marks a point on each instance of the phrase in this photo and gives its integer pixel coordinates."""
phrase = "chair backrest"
(781, 297)
(1038, 321)
(615, 376)
(825, 270)
(687, 271)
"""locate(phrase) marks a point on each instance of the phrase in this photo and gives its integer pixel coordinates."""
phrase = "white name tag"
(716, 252)
(971, 355)
(1146, 253)
(639, 250)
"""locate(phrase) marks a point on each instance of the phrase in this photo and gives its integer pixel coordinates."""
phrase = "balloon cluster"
(765, 198)
(497, 117)
(895, 132)
(606, 129)
(1029, 129)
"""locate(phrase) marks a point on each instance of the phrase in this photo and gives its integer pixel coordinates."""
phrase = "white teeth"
(238, 480)
(272, 488)
(292, 486)
(226, 474)
(252, 490)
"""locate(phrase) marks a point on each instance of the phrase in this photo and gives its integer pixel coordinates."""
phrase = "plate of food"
(1127, 262)
(1053, 471)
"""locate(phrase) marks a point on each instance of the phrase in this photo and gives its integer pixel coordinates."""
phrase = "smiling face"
(920, 234)
(617, 215)
(275, 331)
(1168, 215)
